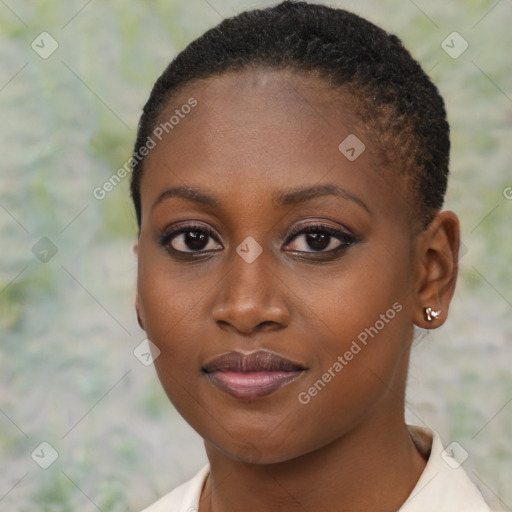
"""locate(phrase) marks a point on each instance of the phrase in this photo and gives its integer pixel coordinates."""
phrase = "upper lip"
(257, 361)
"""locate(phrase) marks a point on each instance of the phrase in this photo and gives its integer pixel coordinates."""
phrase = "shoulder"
(184, 498)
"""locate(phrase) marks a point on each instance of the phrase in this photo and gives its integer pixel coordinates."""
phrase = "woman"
(289, 176)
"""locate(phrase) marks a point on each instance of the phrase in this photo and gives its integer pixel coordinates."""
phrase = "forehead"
(261, 129)
(269, 98)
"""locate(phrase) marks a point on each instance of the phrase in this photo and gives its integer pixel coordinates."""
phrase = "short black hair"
(395, 99)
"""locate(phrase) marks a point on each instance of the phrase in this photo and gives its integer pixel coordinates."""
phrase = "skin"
(252, 134)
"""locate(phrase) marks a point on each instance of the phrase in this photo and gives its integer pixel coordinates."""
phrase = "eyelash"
(345, 239)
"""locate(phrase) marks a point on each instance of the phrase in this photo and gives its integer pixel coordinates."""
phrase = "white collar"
(443, 486)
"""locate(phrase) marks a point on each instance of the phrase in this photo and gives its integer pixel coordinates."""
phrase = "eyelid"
(319, 226)
(187, 224)
(183, 227)
(298, 228)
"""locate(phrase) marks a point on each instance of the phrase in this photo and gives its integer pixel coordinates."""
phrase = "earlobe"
(437, 254)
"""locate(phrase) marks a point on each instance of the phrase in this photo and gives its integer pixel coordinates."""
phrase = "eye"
(197, 238)
(190, 238)
(319, 239)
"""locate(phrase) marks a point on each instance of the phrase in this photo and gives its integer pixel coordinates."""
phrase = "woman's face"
(259, 232)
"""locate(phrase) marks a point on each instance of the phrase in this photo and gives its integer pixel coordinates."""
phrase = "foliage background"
(68, 375)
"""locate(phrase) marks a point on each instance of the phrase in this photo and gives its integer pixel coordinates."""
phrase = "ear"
(135, 251)
(437, 256)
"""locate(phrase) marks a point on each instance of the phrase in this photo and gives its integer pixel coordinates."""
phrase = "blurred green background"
(68, 375)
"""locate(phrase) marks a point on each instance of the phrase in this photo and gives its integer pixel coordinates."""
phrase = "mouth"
(253, 375)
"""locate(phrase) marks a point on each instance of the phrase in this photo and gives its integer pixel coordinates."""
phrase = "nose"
(250, 298)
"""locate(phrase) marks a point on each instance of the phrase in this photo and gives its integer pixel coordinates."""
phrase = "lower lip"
(251, 385)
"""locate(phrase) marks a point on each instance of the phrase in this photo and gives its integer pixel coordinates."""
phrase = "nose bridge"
(249, 267)
(249, 295)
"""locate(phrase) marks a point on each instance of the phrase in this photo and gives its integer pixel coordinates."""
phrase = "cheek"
(358, 372)
(365, 299)
(169, 295)
(167, 322)
(171, 302)
(361, 348)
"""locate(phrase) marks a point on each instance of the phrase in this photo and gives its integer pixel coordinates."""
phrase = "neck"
(375, 466)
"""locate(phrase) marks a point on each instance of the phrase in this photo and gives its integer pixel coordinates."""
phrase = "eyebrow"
(280, 199)
(193, 194)
(300, 195)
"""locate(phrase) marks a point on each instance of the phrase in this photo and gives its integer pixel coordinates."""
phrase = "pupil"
(195, 239)
(317, 241)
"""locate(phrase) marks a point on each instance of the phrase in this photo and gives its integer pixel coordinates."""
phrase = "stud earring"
(430, 314)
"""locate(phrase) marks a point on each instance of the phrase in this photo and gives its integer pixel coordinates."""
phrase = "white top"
(443, 486)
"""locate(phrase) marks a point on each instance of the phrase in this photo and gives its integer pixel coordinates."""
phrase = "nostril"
(267, 324)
